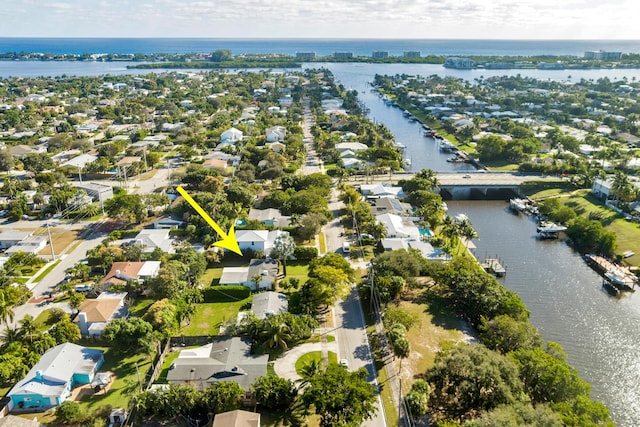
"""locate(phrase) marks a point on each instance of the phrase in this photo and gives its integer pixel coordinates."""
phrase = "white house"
(231, 136)
(353, 146)
(275, 133)
(150, 239)
(257, 240)
(381, 190)
(398, 227)
(30, 244)
(267, 270)
(9, 238)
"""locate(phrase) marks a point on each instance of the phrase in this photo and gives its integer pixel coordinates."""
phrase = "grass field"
(210, 316)
(140, 306)
(125, 368)
(628, 233)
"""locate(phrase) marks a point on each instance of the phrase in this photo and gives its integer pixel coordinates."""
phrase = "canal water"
(568, 304)
(600, 333)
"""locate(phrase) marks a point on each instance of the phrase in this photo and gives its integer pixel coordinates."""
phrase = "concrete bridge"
(467, 185)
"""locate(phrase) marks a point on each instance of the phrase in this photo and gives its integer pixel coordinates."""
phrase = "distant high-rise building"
(412, 54)
(343, 55)
(305, 55)
(380, 54)
(602, 55)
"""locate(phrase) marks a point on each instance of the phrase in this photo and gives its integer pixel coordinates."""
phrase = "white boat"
(551, 227)
(518, 204)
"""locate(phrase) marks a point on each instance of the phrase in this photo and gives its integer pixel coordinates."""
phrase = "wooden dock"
(616, 275)
(494, 266)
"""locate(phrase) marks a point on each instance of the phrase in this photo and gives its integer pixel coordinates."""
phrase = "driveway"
(285, 365)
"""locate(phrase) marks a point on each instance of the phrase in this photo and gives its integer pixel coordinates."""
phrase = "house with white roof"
(275, 133)
(269, 216)
(426, 250)
(10, 238)
(50, 381)
(269, 303)
(30, 245)
(381, 190)
(397, 226)
(353, 146)
(150, 239)
(257, 240)
(267, 270)
(80, 161)
(231, 136)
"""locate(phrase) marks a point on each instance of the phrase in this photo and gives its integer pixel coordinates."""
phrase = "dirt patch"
(61, 240)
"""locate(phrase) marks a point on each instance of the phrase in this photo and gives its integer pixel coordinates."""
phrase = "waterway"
(599, 333)
(568, 304)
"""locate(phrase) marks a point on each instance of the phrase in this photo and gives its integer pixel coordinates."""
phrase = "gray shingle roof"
(225, 359)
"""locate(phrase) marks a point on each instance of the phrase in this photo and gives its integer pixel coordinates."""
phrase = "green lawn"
(123, 365)
(311, 356)
(42, 321)
(210, 316)
(323, 244)
(211, 275)
(299, 270)
(140, 306)
(46, 271)
(162, 376)
(628, 233)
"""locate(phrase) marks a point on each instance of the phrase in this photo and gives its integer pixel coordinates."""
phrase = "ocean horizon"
(321, 46)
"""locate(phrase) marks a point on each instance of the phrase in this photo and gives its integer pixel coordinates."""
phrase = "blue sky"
(483, 19)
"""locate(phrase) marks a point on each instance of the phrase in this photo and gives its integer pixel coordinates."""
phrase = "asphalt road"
(55, 276)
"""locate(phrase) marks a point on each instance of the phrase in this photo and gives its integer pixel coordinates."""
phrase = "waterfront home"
(397, 226)
(95, 314)
(354, 147)
(426, 250)
(50, 381)
(224, 359)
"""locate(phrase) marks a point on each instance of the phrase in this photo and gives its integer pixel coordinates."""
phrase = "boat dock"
(617, 276)
(494, 266)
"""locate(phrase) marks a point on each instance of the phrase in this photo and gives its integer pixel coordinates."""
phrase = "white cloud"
(331, 18)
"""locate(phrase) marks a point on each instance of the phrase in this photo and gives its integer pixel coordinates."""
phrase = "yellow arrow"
(228, 240)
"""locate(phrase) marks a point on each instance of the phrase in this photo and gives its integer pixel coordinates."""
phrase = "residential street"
(350, 327)
(55, 276)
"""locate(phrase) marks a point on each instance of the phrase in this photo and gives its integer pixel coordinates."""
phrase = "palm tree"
(6, 310)
(622, 188)
(10, 335)
(466, 230)
(28, 328)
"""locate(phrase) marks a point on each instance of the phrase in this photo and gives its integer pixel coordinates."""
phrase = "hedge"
(305, 253)
(226, 293)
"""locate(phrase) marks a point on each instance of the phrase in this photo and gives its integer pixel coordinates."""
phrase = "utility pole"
(53, 255)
